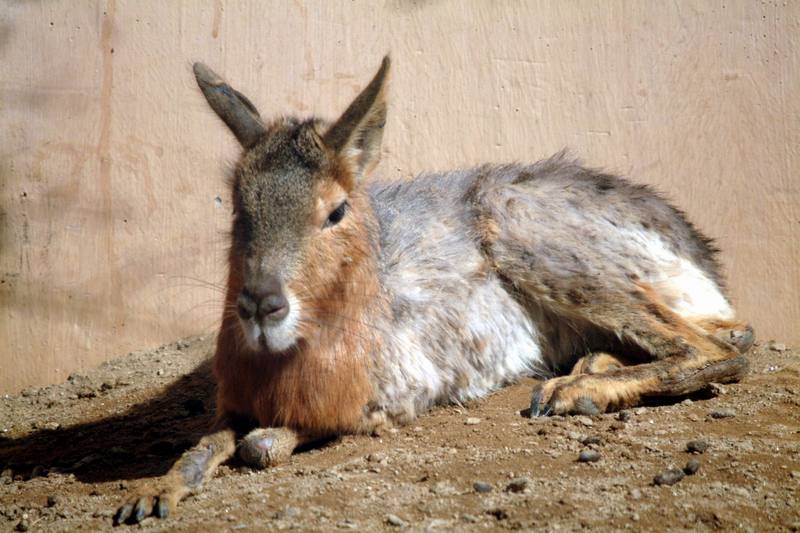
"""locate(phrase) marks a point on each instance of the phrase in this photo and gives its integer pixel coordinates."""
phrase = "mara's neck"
(323, 385)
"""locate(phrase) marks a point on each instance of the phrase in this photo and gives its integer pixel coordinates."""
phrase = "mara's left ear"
(357, 134)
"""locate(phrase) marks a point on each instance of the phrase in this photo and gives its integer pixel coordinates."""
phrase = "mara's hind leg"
(686, 359)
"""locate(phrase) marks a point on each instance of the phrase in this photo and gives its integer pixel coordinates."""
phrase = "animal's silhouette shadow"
(142, 442)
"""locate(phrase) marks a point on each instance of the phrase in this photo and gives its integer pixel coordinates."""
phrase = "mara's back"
(459, 326)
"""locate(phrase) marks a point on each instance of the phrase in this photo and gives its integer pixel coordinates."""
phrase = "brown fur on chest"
(320, 393)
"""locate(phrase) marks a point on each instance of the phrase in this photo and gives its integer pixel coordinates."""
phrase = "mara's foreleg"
(195, 466)
(686, 358)
(260, 448)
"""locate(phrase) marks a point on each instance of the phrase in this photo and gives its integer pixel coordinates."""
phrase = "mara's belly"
(452, 350)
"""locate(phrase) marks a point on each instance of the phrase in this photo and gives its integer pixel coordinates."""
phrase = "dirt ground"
(70, 452)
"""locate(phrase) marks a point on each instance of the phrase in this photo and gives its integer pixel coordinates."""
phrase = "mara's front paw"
(144, 503)
(585, 394)
(265, 447)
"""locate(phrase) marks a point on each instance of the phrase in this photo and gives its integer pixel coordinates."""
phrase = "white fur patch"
(685, 288)
(277, 337)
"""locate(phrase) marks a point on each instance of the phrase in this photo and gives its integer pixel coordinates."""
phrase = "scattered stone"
(86, 392)
(106, 386)
(717, 389)
(23, 525)
(669, 477)
(636, 494)
(288, 512)
(693, 417)
(160, 372)
(624, 416)
(723, 413)
(589, 456)
(472, 421)
(518, 485)
(591, 439)
(470, 518)
(499, 514)
(482, 487)
(377, 458)
(584, 420)
(394, 520)
(687, 401)
(52, 500)
(51, 426)
(696, 446)
(776, 346)
(640, 410)
(691, 467)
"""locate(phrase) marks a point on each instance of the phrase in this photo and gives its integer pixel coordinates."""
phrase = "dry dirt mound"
(69, 453)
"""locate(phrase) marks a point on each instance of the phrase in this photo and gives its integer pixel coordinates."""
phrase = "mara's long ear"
(358, 132)
(233, 107)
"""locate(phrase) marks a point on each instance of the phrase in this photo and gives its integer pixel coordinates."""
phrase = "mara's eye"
(336, 215)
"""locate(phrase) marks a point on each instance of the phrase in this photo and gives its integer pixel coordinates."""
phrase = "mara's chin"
(273, 339)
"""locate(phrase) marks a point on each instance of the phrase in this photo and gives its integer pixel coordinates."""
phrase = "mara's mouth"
(265, 335)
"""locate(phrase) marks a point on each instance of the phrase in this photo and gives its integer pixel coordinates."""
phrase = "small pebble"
(696, 446)
(723, 413)
(394, 520)
(585, 420)
(589, 456)
(717, 389)
(592, 439)
(482, 487)
(22, 525)
(691, 467)
(636, 494)
(669, 477)
(640, 410)
(472, 421)
(517, 485)
(777, 346)
(624, 416)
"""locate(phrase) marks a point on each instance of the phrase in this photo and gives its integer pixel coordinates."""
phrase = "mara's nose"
(263, 299)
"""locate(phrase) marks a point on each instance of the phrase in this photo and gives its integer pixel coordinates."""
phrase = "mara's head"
(299, 233)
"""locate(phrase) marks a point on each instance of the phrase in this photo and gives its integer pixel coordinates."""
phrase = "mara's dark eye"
(336, 215)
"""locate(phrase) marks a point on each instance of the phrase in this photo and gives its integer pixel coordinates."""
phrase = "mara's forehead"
(284, 167)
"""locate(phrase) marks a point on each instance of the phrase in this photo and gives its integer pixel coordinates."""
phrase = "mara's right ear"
(231, 106)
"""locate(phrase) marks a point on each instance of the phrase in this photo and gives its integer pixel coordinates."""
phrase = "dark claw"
(123, 513)
(162, 509)
(141, 510)
(537, 409)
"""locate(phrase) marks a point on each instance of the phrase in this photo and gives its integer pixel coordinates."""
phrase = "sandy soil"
(70, 452)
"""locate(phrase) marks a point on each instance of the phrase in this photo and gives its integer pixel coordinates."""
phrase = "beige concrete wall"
(113, 206)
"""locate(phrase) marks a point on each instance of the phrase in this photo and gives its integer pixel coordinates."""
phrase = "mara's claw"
(537, 408)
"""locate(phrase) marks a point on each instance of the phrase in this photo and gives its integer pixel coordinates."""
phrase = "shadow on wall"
(144, 441)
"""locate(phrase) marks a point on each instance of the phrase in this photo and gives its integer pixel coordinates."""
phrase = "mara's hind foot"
(737, 333)
(592, 394)
(597, 363)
